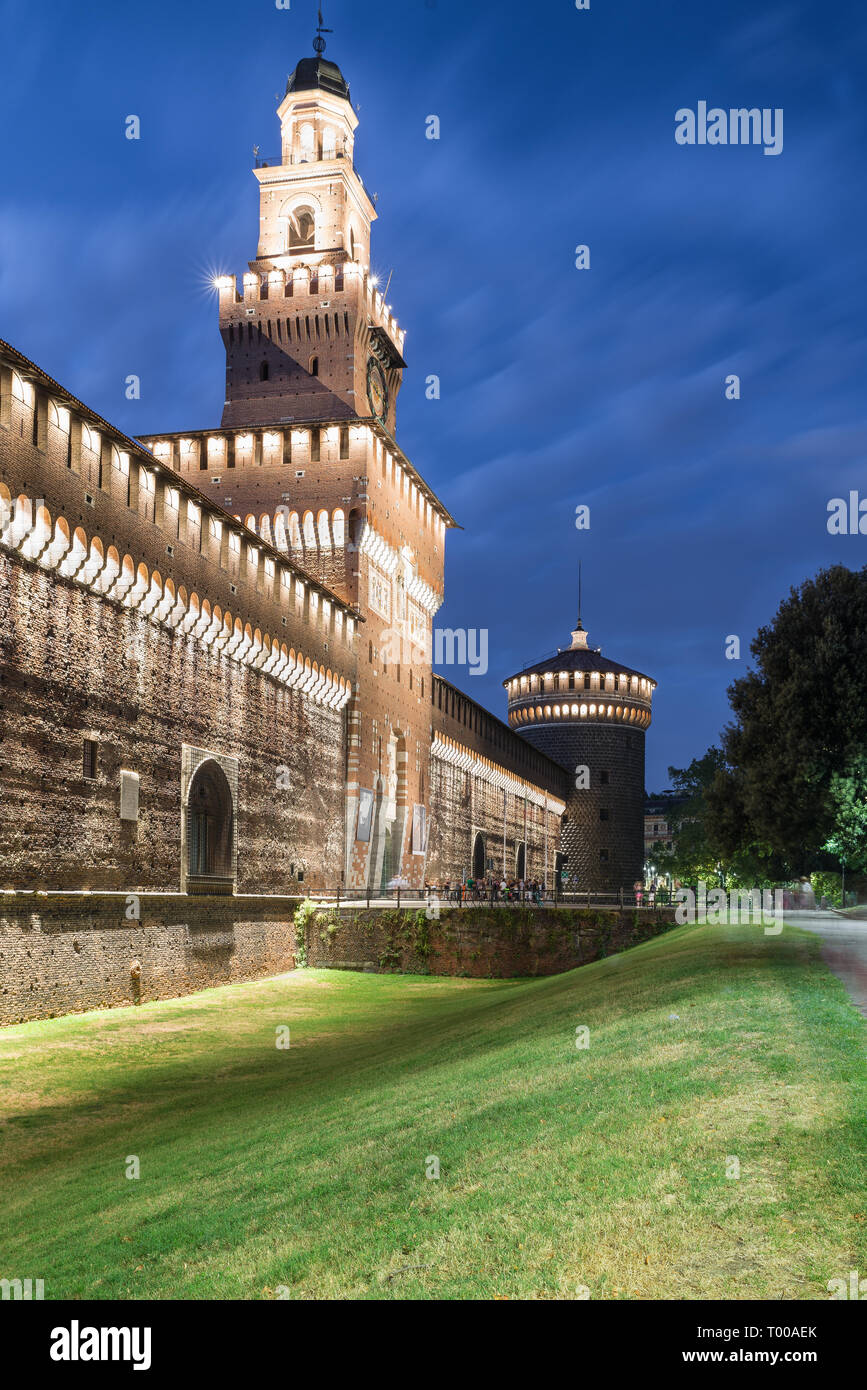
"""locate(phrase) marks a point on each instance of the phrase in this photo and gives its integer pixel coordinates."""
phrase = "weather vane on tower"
(319, 42)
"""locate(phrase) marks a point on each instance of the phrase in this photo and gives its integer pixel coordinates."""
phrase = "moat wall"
(480, 942)
(63, 953)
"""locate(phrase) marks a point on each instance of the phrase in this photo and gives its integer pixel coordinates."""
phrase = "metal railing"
(461, 896)
(291, 160)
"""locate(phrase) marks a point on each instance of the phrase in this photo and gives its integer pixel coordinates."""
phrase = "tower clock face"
(377, 390)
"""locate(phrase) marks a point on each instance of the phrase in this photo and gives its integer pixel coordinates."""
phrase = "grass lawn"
(303, 1170)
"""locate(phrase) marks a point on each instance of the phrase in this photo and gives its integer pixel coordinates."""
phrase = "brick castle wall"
(66, 953)
(502, 943)
(74, 666)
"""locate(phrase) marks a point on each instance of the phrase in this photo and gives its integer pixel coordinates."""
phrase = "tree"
(690, 857)
(706, 845)
(800, 723)
(848, 800)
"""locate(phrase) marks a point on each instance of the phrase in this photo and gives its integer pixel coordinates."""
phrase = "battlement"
(220, 455)
(82, 499)
(307, 283)
(460, 720)
(581, 695)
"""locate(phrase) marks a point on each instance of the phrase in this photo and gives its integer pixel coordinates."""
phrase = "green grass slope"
(564, 1172)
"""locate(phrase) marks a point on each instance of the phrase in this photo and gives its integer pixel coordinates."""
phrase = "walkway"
(844, 949)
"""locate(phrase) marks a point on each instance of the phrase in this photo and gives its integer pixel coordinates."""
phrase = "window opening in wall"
(302, 229)
(264, 371)
(90, 755)
(479, 857)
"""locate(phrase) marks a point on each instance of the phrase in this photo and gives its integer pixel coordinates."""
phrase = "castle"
(216, 645)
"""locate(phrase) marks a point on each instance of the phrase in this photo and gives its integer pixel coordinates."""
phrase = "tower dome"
(318, 74)
(590, 714)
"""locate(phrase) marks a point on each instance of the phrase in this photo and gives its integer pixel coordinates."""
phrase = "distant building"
(658, 819)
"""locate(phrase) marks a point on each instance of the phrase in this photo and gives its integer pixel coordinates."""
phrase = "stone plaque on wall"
(129, 788)
(365, 814)
(419, 830)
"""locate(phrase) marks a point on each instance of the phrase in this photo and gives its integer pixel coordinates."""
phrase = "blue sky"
(559, 386)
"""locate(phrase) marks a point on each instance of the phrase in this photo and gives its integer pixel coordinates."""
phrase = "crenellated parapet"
(577, 686)
(79, 498)
(297, 288)
(449, 750)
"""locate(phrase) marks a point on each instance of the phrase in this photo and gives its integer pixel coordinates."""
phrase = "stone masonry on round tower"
(590, 715)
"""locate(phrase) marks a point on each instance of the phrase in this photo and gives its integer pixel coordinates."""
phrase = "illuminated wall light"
(216, 446)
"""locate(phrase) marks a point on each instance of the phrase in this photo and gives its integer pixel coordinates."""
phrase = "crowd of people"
(496, 890)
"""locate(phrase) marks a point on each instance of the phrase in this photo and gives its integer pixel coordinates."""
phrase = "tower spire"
(319, 42)
(579, 595)
(579, 636)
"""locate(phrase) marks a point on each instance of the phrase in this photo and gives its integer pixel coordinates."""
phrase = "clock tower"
(308, 335)
(306, 457)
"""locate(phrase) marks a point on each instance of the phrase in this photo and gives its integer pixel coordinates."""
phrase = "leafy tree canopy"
(794, 757)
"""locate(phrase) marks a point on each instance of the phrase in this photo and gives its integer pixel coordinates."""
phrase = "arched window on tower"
(307, 140)
(314, 366)
(329, 143)
(264, 371)
(301, 229)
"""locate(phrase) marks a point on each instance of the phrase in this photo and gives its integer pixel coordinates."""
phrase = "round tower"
(590, 715)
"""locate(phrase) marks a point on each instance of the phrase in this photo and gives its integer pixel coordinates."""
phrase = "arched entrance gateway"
(521, 861)
(210, 831)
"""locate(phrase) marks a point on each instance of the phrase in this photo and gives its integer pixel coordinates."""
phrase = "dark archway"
(479, 856)
(210, 829)
(521, 861)
(387, 871)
